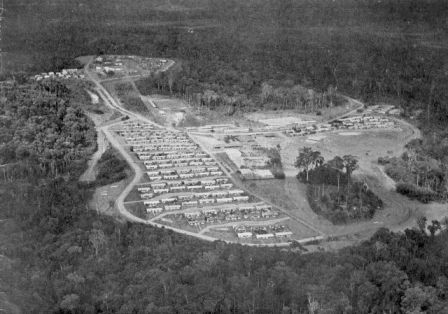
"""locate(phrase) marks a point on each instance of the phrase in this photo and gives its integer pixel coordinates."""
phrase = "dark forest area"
(57, 256)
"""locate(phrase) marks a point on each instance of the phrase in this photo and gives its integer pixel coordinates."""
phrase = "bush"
(414, 192)
(111, 168)
(134, 103)
(383, 160)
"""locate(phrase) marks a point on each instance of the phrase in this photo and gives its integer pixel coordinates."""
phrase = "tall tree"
(337, 163)
(350, 164)
(308, 158)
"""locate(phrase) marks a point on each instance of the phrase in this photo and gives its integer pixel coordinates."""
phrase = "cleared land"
(289, 194)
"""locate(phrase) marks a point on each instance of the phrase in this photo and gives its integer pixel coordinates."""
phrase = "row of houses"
(353, 122)
(363, 122)
(185, 175)
(263, 232)
(218, 215)
(182, 188)
(226, 214)
(164, 156)
(155, 185)
(218, 197)
(179, 163)
(169, 204)
(165, 147)
(64, 74)
(151, 160)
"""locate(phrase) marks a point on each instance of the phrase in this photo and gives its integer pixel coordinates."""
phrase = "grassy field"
(273, 190)
(137, 209)
(134, 195)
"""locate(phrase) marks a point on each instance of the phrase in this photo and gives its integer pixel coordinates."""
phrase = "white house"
(172, 207)
(224, 200)
(244, 198)
(151, 203)
(189, 203)
(264, 236)
(244, 235)
(206, 201)
(155, 210)
(283, 234)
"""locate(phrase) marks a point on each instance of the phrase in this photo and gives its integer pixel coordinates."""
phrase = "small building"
(194, 187)
(244, 198)
(192, 215)
(147, 195)
(151, 203)
(285, 233)
(244, 234)
(236, 192)
(219, 193)
(189, 203)
(224, 200)
(172, 207)
(158, 185)
(185, 197)
(155, 210)
(210, 211)
(206, 201)
(160, 191)
(264, 235)
(177, 188)
(168, 200)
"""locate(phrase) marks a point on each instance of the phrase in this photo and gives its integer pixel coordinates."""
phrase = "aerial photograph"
(224, 156)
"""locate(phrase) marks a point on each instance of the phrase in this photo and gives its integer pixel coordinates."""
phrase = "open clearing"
(366, 145)
(289, 194)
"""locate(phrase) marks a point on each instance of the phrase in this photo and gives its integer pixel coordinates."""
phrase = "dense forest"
(367, 49)
(57, 256)
(42, 130)
(60, 257)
